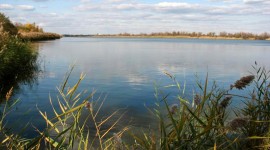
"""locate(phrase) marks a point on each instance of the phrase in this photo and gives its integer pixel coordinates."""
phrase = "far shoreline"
(164, 37)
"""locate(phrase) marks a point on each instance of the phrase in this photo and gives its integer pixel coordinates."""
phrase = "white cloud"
(256, 1)
(131, 6)
(40, 0)
(86, 7)
(6, 6)
(175, 5)
(115, 1)
(225, 1)
(126, 6)
(85, 1)
(26, 7)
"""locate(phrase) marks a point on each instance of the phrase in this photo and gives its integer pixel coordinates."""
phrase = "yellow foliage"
(28, 27)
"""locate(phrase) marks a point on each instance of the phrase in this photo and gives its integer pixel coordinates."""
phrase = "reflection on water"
(126, 69)
(26, 75)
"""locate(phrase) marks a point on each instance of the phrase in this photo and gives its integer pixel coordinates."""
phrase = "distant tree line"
(240, 35)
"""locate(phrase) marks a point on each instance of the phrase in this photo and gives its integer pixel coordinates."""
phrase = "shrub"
(7, 26)
(17, 61)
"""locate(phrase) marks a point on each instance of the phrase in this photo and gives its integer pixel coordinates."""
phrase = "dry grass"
(38, 36)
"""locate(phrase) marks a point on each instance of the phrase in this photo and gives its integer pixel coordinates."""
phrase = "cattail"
(9, 93)
(173, 108)
(238, 122)
(243, 82)
(88, 105)
(225, 102)
(197, 99)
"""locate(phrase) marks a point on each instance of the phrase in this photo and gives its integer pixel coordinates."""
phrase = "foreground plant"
(69, 128)
(202, 121)
(197, 122)
(73, 131)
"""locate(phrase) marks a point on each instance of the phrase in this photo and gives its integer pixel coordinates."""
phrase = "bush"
(28, 27)
(17, 61)
(7, 26)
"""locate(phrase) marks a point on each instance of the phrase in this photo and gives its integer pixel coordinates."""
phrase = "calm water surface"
(125, 71)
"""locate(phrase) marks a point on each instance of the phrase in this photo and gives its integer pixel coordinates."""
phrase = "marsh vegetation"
(198, 123)
(18, 59)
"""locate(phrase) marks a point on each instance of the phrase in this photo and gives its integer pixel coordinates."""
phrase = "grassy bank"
(38, 36)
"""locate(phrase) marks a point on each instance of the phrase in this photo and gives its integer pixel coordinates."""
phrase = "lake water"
(126, 70)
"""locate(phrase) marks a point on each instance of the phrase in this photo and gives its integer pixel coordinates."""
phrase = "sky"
(137, 16)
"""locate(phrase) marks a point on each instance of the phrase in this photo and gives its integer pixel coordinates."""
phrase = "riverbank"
(39, 36)
(184, 35)
(164, 37)
(171, 37)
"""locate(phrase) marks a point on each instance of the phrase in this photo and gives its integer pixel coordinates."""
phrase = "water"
(125, 70)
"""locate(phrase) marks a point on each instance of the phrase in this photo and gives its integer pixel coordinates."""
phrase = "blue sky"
(137, 16)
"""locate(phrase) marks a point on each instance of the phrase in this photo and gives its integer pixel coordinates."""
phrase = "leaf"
(195, 116)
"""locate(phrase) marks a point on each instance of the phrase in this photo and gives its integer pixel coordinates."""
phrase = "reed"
(66, 130)
(38, 36)
(198, 122)
(202, 122)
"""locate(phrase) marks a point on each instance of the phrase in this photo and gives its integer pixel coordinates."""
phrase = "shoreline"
(39, 36)
(163, 37)
(175, 37)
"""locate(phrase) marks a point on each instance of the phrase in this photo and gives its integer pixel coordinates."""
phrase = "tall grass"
(202, 122)
(68, 129)
(199, 122)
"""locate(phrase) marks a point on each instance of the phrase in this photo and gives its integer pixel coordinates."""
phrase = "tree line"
(238, 35)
